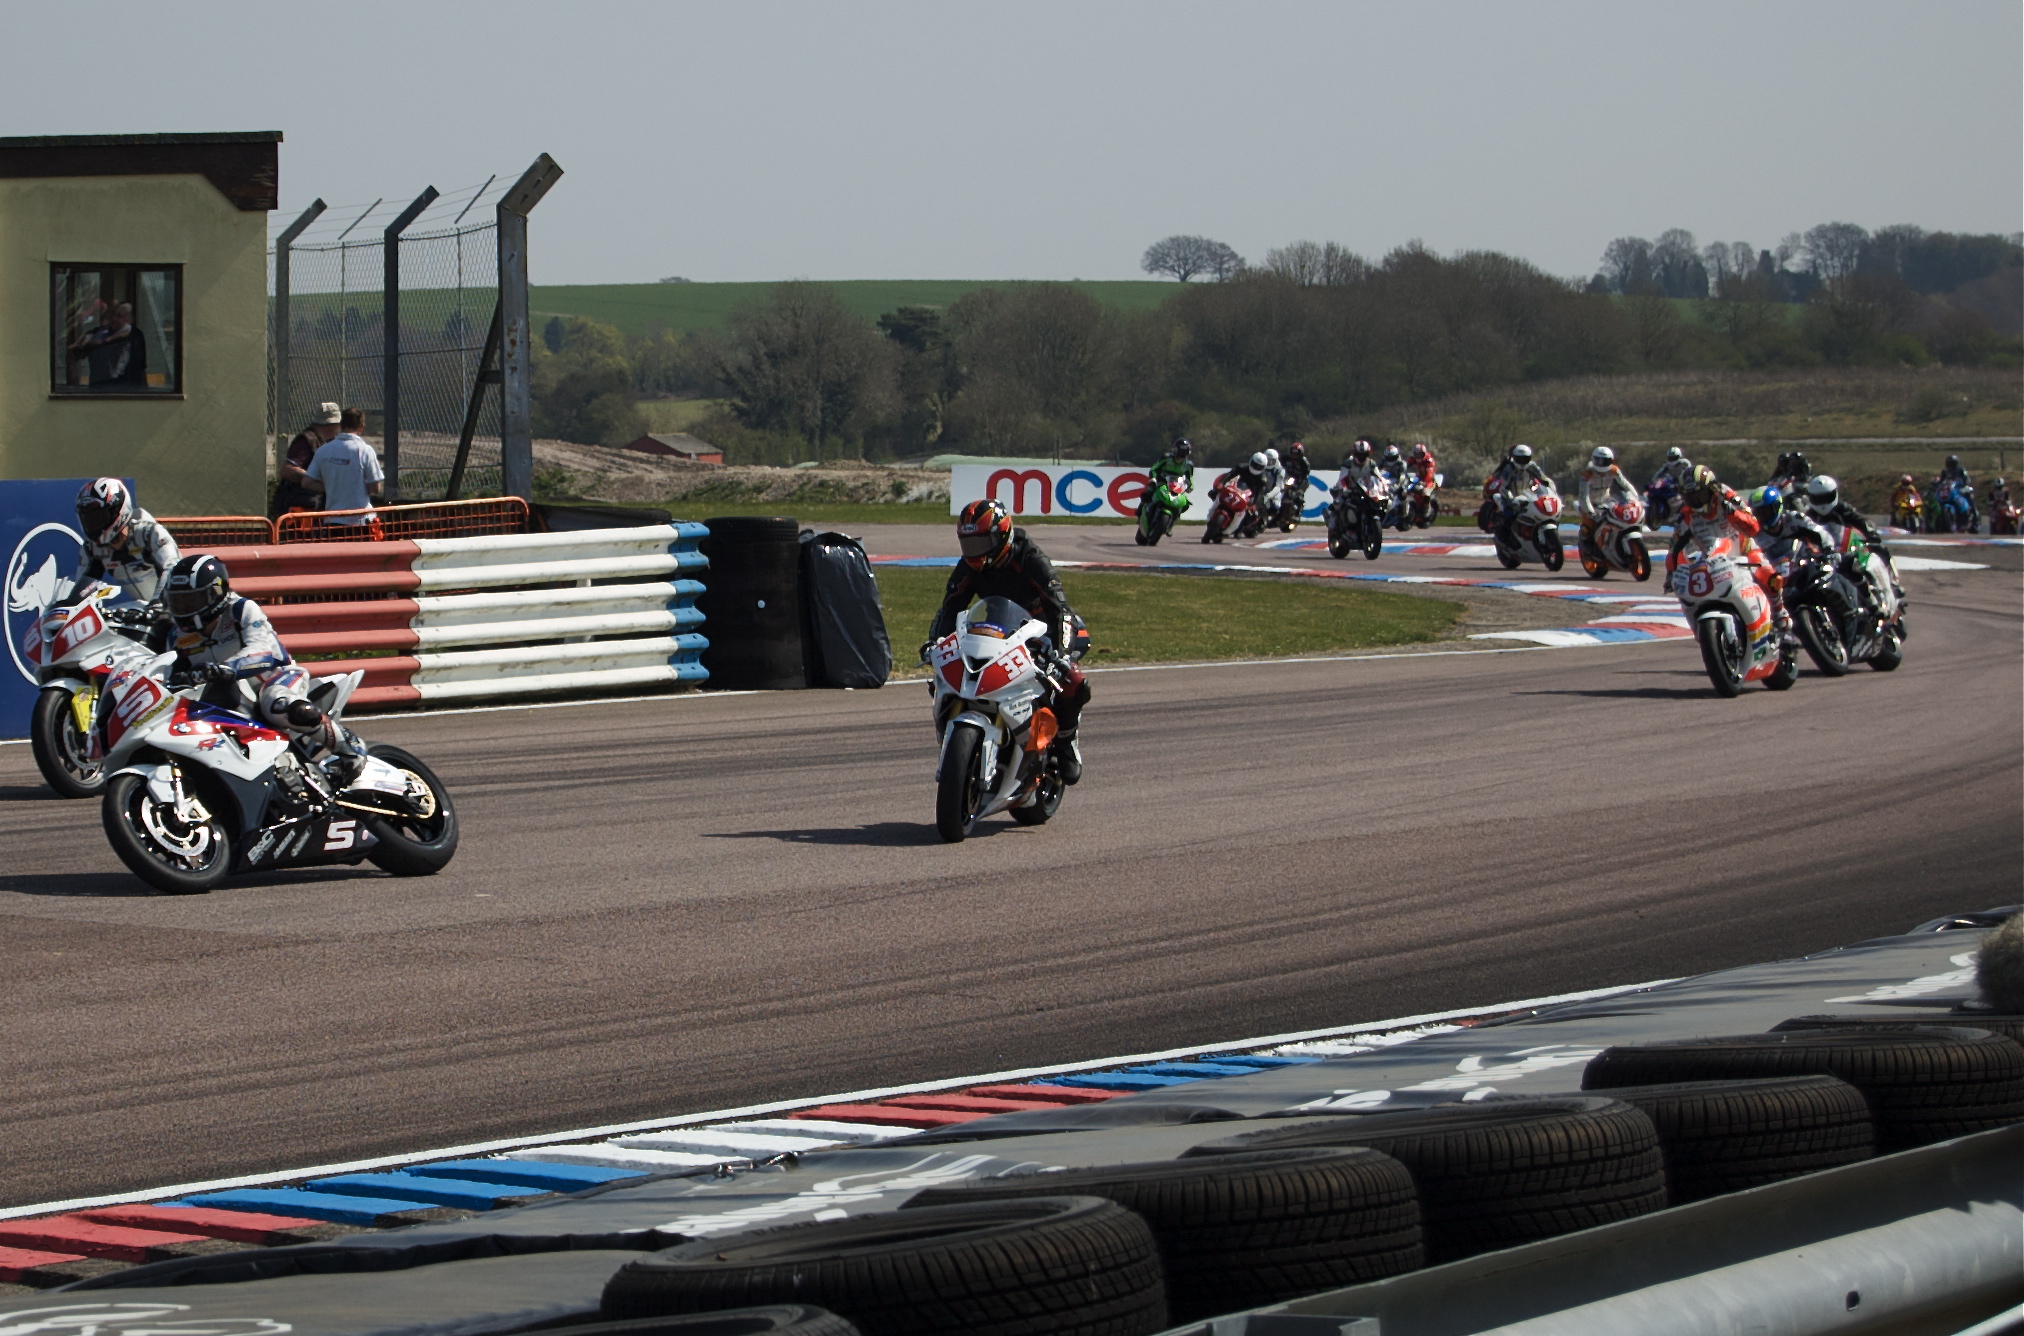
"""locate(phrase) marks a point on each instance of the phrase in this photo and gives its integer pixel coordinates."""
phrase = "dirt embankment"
(598, 473)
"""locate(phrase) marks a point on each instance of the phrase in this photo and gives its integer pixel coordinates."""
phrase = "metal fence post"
(516, 425)
(281, 326)
(390, 343)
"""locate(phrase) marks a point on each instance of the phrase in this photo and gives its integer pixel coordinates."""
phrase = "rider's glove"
(926, 645)
(219, 672)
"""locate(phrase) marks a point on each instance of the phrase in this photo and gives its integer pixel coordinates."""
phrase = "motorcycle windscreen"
(997, 614)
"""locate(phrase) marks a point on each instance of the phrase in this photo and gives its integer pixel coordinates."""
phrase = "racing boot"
(1067, 758)
(346, 749)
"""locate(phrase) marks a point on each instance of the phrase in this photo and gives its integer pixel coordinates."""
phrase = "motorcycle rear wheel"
(414, 846)
(1822, 639)
(1787, 672)
(1721, 655)
(1593, 567)
(1890, 654)
(1508, 560)
(59, 748)
(1046, 802)
(960, 792)
(165, 853)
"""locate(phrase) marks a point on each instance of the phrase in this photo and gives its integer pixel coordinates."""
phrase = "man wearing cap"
(346, 471)
(289, 493)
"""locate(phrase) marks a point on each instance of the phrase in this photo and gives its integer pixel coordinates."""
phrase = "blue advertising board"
(38, 535)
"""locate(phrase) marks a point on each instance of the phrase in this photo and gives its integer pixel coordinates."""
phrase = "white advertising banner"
(1085, 489)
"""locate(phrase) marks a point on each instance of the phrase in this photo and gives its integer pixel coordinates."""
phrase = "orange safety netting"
(218, 530)
(434, 519)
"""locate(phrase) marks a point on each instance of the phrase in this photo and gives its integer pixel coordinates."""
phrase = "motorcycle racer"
(1953, 471)
(1002, 561)
(1420, 465)
(123, 544)
(1905, 503)
(1254, 475)
(1710, 512)
(1602, 472)
(1500, 491)
(1791, 472)
(1177, 462)
(1780, 526)
(224, 639)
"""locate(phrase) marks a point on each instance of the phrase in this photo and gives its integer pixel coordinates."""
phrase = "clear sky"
(889, 139)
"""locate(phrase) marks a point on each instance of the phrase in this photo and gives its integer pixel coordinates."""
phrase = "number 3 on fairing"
(340, 835)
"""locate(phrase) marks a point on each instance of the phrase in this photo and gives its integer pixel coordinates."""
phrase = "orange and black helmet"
(985, 531)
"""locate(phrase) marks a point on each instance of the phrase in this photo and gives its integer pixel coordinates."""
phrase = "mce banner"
(38, 535)
(1086, 489)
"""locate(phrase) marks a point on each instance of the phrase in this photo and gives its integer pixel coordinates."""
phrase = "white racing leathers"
(136, 565)
(242, 640)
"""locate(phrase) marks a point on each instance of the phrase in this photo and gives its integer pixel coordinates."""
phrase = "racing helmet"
(1272, 458)
(196, 590)
(1905, 480)
(1601, 457)
(1419, 451)
(104, 510)
(1822, 493)
(1673, 455)
(1359, 452)
(1766, 503)
(1297, 450)
(1391, 454)
(1521, 454)
(985, 531)
(1183, 448)
(1259, 463)
(1699, 490)
(1953, 461)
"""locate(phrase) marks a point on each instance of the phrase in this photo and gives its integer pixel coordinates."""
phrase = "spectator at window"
(346, 471)
(289, 492)
(113, 351)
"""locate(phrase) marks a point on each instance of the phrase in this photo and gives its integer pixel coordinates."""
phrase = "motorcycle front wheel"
(179, 857)
(1822, 639)
(1721, 654)
(1373, 538)
(421, 844)
(60, 747)
(1640, 560)
(961, 790)
(1551, 555)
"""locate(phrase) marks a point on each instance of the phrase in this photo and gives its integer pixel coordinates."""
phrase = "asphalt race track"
(698, 902)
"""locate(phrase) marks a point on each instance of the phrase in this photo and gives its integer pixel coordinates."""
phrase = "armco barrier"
(413, 600)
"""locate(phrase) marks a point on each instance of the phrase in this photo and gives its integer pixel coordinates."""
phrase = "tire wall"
(752, 604)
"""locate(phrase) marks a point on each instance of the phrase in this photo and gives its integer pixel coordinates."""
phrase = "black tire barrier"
(751, 604)
(1243, 1231)
(1504, 1172)
(773, 1320)
(1923, 1085)
(2010, 1027)
(1079, 1266)
(1724, 1136)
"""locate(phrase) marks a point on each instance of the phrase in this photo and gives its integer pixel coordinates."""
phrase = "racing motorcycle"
(1908, 512)
(1163, 505)
(1732, 619)
(1662, 496)
(1229, 512)
(1533, 535)
(196, 792)
(1952, 508)
(1291, 497)
(993, 678)
(2004, 515)
(1422, 509)
(1355, 517)
(1618, 543)
(81, 639)
(1845, 606)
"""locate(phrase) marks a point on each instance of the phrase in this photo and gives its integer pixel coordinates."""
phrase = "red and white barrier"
(361, 597)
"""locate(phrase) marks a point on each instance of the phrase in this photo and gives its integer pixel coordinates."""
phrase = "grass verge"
(1183, 618)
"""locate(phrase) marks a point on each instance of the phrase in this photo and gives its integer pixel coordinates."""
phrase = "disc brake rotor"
(191, 841)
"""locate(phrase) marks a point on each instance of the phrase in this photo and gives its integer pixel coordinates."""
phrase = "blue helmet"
(1767, 503)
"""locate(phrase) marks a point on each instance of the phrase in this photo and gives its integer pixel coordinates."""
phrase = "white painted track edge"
(780, 1106)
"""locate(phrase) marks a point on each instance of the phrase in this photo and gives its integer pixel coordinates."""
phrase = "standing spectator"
(346, 470)
(114, 353)
(289, 492)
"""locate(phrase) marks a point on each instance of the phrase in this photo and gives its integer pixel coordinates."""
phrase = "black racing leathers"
(1024, 575)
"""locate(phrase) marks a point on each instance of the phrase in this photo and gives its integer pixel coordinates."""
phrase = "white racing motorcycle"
(1732, 620)
(1534, 532)
(81, 639)
(1619, 542)
(993, 678)
(196, 792)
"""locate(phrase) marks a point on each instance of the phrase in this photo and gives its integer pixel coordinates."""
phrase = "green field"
(1189, 618)
(686, 306)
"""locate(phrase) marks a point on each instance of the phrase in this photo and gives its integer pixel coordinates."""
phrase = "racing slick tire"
(1046, 802)
(1786, 673)
(1373, 538)
(1995, 1023)
(1725, 669)
(1338, 545)
(1923, 1085)
(1508, 560)
(1497, 1174)
(960, 791)
(1242, 1231)
(59, 747)
(1640, 560)
(1725, 1136)
(1081, 1266)
(1890, 654)
(172, 856)
(1822, 639)
(416, 846)
(772, 1320)
(1552, 555)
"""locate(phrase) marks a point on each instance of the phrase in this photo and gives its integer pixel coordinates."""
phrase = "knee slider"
(301, 714)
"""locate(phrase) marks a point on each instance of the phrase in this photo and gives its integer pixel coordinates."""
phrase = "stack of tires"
(751, 604)
(1303, 1205)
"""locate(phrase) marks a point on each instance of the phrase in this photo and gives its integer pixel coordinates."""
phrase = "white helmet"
(1601, 457)
(1673, 456)
(1391, 452)
(1272, 458)
(1259, 462)
(1822, 492)
(1521, 453)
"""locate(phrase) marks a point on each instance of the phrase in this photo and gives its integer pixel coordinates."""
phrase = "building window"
(115, 329)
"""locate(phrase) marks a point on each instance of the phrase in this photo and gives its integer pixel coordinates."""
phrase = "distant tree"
(1627, 265)
(582, 384)
(1316, 265)
(552, 334)
(1834, 249)
(1677, 262)
(802, 362)
(1186, 256)
(1727, 262)
(929, 374)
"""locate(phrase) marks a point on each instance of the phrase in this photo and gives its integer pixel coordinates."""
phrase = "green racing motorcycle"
(1164, 502)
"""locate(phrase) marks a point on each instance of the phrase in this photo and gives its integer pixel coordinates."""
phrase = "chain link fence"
(449, 285)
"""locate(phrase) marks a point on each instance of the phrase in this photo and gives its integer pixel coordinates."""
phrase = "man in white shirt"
(346, 470)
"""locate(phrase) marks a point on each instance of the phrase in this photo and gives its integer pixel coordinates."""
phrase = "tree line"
(1263, 353)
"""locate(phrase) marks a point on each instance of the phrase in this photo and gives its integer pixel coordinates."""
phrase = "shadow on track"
(18, 793)
(82, 884)
(878, 835)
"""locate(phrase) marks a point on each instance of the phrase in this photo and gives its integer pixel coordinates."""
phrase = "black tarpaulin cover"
(844, 628)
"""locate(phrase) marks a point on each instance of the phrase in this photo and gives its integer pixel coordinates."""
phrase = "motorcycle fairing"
(321, 837)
